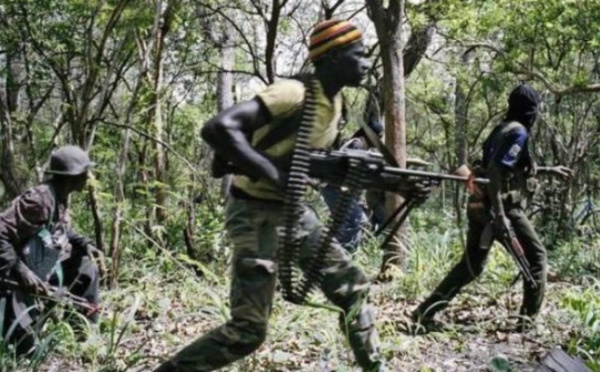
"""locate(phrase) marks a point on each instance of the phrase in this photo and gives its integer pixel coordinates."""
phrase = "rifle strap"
(281, 130)
(374, 141)
(284, 127)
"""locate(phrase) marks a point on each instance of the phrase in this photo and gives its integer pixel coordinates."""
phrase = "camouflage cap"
(69, 161)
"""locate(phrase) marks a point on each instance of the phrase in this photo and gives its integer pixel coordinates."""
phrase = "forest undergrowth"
(161, 304)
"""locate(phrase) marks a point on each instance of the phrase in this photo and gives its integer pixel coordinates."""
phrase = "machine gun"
(333, 166)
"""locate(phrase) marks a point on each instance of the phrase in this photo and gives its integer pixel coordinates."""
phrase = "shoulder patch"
(514, 150)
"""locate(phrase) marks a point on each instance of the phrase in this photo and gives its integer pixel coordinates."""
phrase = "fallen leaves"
(476, 333)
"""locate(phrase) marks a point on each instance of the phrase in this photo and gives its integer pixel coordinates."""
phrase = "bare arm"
(226, 134)
(557, 170)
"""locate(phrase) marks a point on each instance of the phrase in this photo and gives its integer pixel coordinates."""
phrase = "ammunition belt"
(296, 283)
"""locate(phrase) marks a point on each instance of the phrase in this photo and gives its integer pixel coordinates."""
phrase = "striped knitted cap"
(332, 34)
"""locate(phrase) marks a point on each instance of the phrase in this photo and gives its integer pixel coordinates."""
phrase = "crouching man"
(38, 248)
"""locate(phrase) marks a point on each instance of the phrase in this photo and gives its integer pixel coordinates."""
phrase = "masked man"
(508, 165)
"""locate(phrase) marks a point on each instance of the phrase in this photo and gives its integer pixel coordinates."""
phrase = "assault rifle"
(57, 295)
(508, 238)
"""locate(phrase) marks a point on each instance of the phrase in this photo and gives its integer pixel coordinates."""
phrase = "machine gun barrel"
(432, 175)
(332, 167)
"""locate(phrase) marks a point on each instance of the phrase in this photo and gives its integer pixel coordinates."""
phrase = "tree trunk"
(98, 224)
(144, 180)
(416, 46)
(155, 113)
(12, 178)
(460, 137)
(225, 87)
(272, 28)
(460, 122)
(388, 25)
(156, 117)
(114, 251)
(461, 114)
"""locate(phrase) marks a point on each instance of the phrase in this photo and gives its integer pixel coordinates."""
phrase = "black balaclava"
(523, 104)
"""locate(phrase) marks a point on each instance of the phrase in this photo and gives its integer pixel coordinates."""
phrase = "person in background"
(508, 165)
(349, 234)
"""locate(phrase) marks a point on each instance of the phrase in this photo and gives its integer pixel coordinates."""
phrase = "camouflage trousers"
(252, 226)
(474, 259)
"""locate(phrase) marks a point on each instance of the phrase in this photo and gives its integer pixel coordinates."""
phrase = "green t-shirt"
(283, 99)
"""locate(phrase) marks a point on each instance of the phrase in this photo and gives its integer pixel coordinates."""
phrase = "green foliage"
(586, 306)
(172, 288)
(554, 37)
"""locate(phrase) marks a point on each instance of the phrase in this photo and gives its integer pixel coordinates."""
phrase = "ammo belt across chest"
(296, 283)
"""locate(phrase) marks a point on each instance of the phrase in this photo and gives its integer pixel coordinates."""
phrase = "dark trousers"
(23, 318)
(474, 259)
(349, 234)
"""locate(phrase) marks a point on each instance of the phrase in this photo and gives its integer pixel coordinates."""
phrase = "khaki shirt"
(283, 99)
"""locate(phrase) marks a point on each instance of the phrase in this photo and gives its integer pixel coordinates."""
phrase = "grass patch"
(161, 305)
